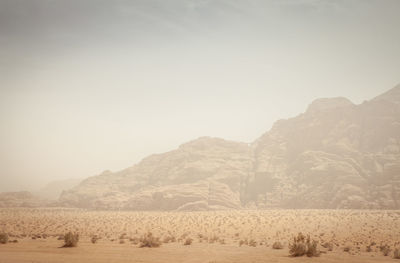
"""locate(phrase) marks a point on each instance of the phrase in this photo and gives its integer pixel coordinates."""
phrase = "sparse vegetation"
(268, 230)
(347, 249)
(94, 239)
(3, 238)
(252, 243)
(277, 245)
(243, 242)
(396, 253)
(368, 248)
(71, 239)
(385, 249)
(188, 241)
(148, 240)
(303, 245)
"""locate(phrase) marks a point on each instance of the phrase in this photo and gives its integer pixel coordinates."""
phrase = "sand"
(219, 236)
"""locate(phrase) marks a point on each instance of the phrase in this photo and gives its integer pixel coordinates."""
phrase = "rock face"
(335, 155)
(203, 174)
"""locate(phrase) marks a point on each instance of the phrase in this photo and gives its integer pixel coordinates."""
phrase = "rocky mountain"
(334, 155)
(203, 174)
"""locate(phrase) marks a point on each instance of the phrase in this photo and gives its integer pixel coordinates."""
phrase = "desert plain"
(37, 235)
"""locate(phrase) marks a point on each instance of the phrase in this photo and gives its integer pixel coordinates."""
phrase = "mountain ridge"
(334, 155)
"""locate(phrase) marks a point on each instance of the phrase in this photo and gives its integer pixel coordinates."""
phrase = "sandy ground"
(216, 235)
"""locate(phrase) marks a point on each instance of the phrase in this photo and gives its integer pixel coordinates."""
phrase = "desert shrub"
(303, 245)
(312, 250)
(243, 242)
(396, 253)
(148, 240)
(94, 239)
(3, 238)
(347, 249)
(71, 239)
(188, 241)
(122, 241)
(277, 245)
(297, 249)
(385, 249)
(252, 243)
(368, 249)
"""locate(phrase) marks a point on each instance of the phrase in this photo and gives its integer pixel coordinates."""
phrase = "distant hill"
(21, 199)
(334, 155)
(54, 189)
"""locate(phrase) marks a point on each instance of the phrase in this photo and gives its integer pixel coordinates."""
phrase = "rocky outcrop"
(335, 155)
(204, 173)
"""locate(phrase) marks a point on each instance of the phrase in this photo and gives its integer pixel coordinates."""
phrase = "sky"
(93, 85)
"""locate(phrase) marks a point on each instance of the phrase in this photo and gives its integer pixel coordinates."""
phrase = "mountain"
(202, 174)
(334, 155)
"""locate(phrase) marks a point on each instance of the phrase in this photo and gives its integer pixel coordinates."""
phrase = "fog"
(87, 86)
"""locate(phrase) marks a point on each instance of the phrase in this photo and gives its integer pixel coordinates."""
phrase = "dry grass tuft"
(396, 253)
(3, 238)
(94, 239)
(277, 245)
(188, 241)
(252, 243)
(347, 249)
(303, 245)
(368, 248)
(148, 240)
(385, 249)
(71, 239)
(243, 242)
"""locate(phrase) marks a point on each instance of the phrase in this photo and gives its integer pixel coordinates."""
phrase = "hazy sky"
(87, 86)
